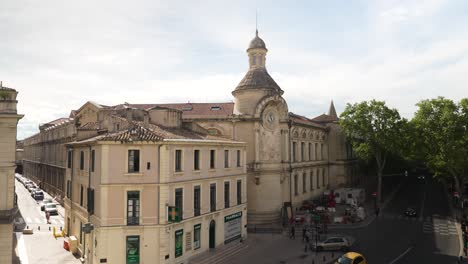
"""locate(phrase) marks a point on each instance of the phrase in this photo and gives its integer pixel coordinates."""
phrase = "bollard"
(49, 228)
(60, 228)
(27, 227)
(39, 228)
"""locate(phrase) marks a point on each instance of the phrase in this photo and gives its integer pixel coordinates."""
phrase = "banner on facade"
(178, 242)
(232, 227)
(133, 249)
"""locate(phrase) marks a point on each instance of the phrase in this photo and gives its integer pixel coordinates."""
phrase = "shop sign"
(133, 249)
(178, 242)
(232, 227)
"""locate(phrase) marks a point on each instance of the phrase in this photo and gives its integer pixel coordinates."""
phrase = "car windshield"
(47, 201)
(345, 260)
(51, 205)
(39, 193)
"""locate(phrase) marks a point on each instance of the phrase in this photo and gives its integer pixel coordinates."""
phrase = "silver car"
(332, 243)
(51, 208)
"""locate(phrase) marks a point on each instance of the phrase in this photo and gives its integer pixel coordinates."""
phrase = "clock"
(270, 117)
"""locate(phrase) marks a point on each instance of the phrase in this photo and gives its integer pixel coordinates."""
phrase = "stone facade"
(126, 195)
(8, 208)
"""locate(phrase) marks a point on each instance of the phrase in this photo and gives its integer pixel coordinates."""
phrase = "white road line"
(22, 249)
(402, 254)
(37, 220)
(28, 220)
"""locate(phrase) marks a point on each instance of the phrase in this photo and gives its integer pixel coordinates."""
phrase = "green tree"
(441, 130)
(375, 132)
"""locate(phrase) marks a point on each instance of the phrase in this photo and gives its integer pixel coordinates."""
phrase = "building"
(290, 158)
(44, 155)
(157, 189)
(8, 208)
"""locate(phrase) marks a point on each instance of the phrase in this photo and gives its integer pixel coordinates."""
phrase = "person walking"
(304, 230)
(293, 232)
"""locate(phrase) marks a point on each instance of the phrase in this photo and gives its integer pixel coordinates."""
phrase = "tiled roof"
(189, 110)
(258, 78)
(58, 121)
(90, 126)
(136, 133)
(324, 118)
(304, 120)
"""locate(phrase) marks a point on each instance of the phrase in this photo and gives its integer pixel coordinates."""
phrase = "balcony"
(133, 220)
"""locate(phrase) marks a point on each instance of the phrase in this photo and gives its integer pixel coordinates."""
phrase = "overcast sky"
(59, 54)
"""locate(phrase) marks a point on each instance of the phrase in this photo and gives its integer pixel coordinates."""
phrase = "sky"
(60, 54)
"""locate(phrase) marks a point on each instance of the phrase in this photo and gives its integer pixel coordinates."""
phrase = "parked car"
(38, 195)
(411, 212)
(32, 188)
(351, 258)
(332, 243)
(51, 208)
(44, 202)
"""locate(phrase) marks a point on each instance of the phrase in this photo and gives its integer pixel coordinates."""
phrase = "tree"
(375, 132)
(441, 128)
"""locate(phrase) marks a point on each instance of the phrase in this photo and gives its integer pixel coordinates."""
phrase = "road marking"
(37, 220)
(22, 249)
(62, 222)
(402, 254)
(28, 220)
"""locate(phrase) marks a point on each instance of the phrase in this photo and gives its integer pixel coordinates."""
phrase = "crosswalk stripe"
(37, 220)
(28, 220)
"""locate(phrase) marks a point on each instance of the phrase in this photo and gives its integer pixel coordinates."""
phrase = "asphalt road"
(41, 246)
(394, 238)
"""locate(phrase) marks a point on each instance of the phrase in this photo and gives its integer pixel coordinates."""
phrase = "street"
(41, 246)
(392, 238)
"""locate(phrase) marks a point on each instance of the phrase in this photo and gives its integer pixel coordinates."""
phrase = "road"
(393, 238)
(40, 247)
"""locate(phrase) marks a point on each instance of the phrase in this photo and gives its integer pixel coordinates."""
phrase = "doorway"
(212, 233)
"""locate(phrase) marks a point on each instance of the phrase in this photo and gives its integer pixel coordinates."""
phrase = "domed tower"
(257, 83)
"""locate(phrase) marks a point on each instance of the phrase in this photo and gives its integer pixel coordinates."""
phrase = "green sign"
(173, 214)
(178, 242)
(133, 249)
(232, 217)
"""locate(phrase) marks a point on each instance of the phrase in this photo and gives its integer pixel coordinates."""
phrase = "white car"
(332, 243)
(51, 208)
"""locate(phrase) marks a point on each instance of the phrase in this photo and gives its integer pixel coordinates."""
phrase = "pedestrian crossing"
(435, 224)
(38, 220)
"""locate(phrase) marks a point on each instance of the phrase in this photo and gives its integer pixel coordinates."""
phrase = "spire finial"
(256, 22)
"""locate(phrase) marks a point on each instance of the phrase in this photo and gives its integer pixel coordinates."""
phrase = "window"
(302, 151)
(133, 160)
(133, 207)
(323, 177)
(68, 188)
(212, 197)
(238, 158)
(311, 176)
(294, 151)
(310, 151)
(321, 151)
(295, 185)
(212, 158)
(179, 201)
(178, 160)
(81, 195)
(196, 200)
(81, 232)
(226, 194)
(70, 158)
(254, 60)
(226, 158)
(239, 191)
(93, 157)
(81, 160)
(318, 180)
(316, 151)
(196, 159)
(196, 236)
(90, 201)
(304, 182)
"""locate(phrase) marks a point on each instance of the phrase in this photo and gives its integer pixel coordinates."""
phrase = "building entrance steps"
(220, 254)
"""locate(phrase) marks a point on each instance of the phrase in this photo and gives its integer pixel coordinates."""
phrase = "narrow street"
(41, 246)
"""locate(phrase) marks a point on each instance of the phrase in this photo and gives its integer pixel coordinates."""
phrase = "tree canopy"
(375, 131)
(441, 135)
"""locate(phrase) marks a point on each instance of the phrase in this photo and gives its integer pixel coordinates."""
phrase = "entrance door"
(212, 234)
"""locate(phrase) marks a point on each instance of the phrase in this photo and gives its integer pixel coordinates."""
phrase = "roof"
(304, 120)
(258, 78)
(324, 118)
(138, 131)
(189, 110)
(58, 121)
(257, 42)
(90, 126)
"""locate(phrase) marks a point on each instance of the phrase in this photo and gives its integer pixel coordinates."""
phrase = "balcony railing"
(132, 220)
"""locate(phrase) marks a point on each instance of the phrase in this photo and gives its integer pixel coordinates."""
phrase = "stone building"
(290, 158)
(8, 208)
(129, 171)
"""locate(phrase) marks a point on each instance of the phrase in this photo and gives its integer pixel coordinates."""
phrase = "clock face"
(270, 117)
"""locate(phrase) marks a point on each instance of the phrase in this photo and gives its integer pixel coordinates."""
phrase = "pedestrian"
(293, 232)
(304, 230)
(460, 260)
(377, 211)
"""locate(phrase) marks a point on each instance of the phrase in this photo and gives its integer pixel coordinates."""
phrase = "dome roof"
(257, 42)
(258, 78)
